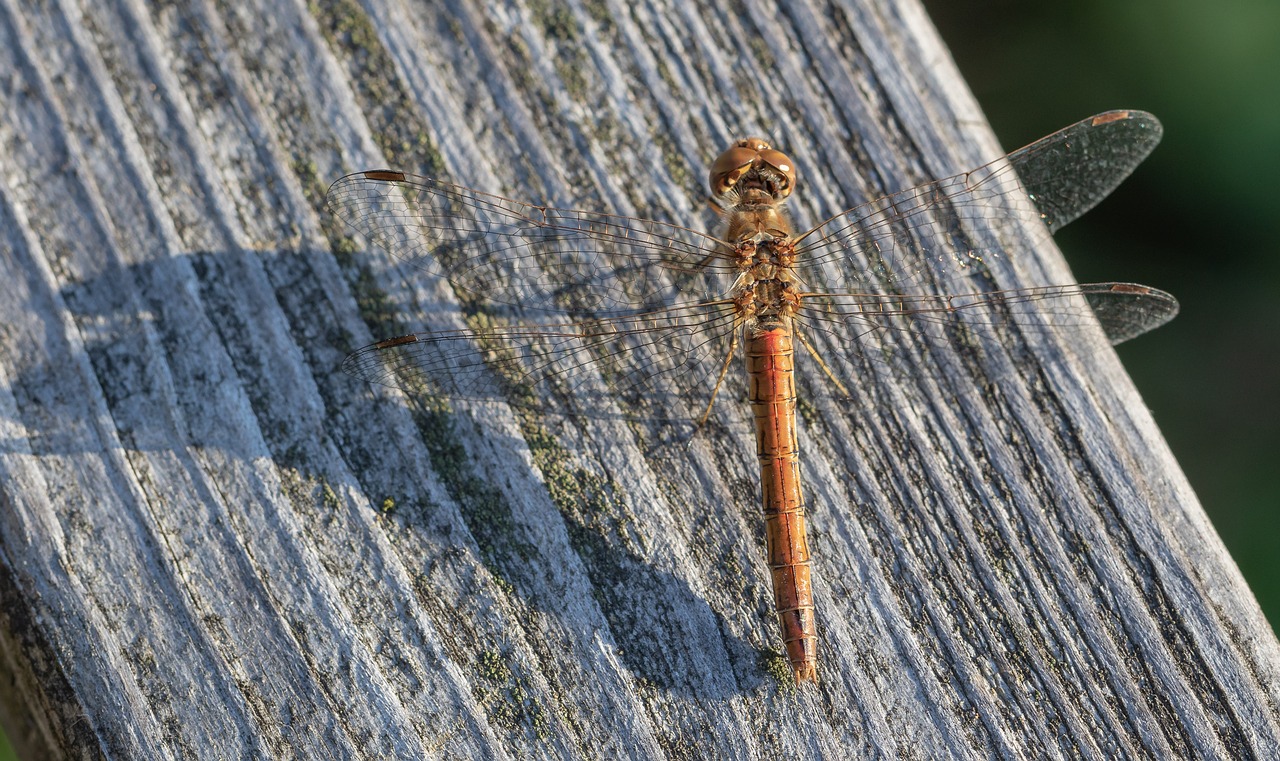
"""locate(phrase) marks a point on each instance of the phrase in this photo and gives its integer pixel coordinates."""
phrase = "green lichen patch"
(555, 19)
(808, 413)
(307, 491)
(775, 664)
(483, 506)
(384, 100)
(508, 697)
(600, 12)
(331, 499)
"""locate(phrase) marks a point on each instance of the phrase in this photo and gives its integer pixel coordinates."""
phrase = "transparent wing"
(860, 333)
(920, 240)
(1123, 309)
(653, 365)
(536, 257)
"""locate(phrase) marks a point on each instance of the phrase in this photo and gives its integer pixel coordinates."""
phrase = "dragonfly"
(574, 313)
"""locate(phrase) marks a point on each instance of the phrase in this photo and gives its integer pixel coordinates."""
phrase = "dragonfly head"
(752, 171)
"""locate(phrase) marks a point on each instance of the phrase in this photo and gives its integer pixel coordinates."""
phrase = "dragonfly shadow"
(128, 337)
(661, 631)
(196, 350)
(665, 633)
(223, 350)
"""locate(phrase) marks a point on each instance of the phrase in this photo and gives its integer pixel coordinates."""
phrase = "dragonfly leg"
(724, 369)
(818, 357)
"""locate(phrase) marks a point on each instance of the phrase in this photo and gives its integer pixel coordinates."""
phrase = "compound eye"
(781, 162)
(730, 166)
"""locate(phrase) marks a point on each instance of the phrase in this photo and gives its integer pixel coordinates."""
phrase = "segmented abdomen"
(771, 372)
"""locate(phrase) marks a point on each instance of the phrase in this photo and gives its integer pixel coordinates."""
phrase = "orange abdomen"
(771, 372)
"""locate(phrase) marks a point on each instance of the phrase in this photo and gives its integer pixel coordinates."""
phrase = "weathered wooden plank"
(216, 544)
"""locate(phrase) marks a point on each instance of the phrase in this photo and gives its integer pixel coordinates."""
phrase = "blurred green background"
(1200, 218)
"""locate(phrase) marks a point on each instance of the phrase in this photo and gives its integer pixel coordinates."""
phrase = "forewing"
(653, 365)
(922, 240)
(538, 258)
(1070, 171)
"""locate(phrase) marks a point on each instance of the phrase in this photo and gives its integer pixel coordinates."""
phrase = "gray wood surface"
(214, 544)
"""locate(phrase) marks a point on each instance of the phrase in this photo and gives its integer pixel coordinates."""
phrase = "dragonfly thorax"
(763, 253)
(763, 302)
(764, 293)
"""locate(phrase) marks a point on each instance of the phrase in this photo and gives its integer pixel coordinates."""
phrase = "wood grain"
(216, 545)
